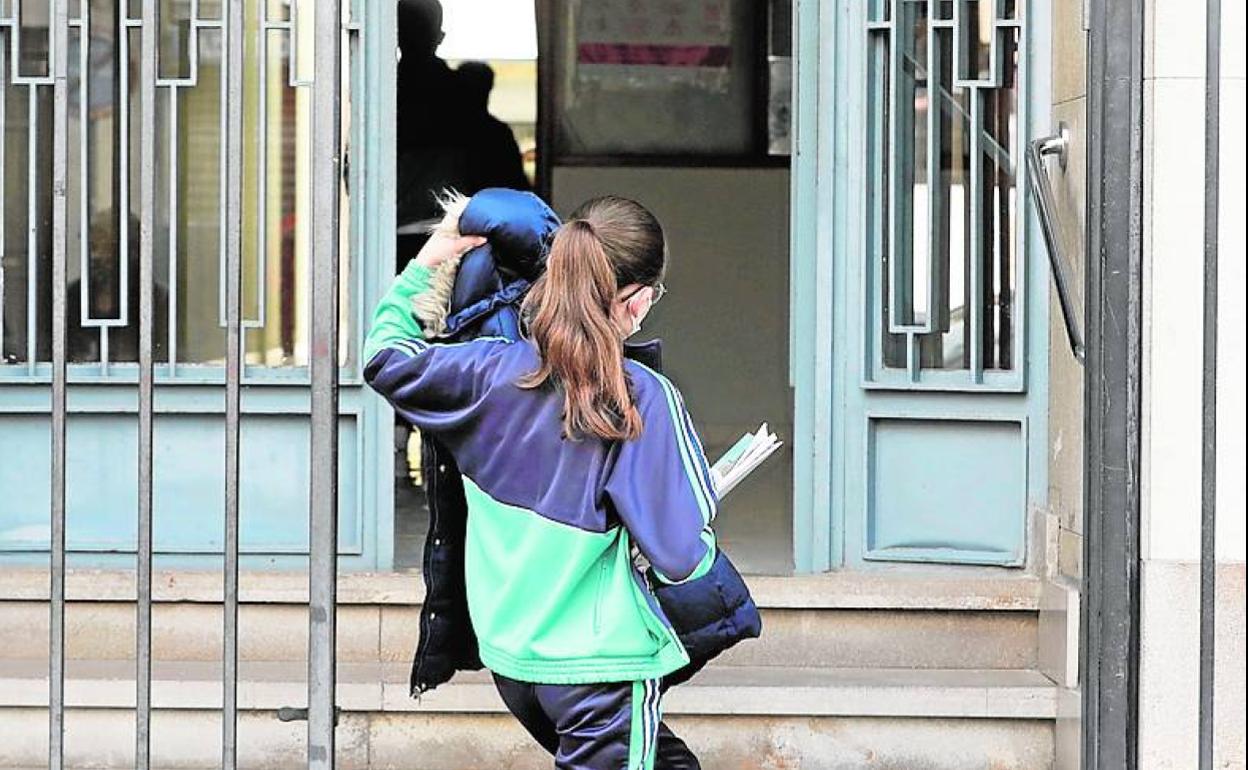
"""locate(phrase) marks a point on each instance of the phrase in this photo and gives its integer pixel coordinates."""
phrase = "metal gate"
(52, 27)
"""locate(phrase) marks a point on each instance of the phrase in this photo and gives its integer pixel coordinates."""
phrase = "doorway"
(684, 107)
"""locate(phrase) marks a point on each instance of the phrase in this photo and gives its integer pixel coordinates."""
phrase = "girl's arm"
(660, 486)
(419, 379)
(393, 320)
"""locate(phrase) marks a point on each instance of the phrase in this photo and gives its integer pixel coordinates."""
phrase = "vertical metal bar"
(1007, 169)
(936, 228)
(123, 174)
(901, 155)
(1017, 147)
(104, 356)
(193, 54)
(147, 224)
(292, 62)
(4, 98)
(294, 79)
(84, 215)
(1109, 649)
(223, 112)
(357, 194)
(326, 185)
(262, 142)
(906, 279)
(1209, 385)
(879, 39)
(59, 40)
(989, 322)
(32, 226)
(1002, 235)
(546, 13)
(913, 362)
(975, 301)
(114, 166)
(84, 221)
(232, 140)
(941, 104)
(263, 27)
(123, 168)
(171, 308)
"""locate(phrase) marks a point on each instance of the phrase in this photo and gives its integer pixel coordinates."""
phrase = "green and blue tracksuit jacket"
(552, 590)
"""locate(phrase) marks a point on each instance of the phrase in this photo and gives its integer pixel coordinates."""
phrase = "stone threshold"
(721, 690)
(903, 589)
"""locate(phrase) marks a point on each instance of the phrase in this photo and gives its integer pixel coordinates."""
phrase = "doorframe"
(373, 84)
(826, 209)
(1109, 628)
(816, 197)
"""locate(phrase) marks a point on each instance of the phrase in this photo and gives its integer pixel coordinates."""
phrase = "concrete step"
(858, 621)
(733, 716)
(757, 690)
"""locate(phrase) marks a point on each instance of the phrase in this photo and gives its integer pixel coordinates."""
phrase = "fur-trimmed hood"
(480, 293)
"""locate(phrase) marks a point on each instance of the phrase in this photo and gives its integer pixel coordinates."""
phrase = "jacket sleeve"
(660, 487)
(393, 323)
(431, 386)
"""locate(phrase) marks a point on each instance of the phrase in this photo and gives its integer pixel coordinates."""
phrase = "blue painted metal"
(372, 149)
(189, 491)
(816, 543)
(938, 465)
(926, 495)
(900, 76)
(189, 408)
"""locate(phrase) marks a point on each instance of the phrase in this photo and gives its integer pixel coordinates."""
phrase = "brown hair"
(608, 243)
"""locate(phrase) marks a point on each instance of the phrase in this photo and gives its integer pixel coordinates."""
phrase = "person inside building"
(499, 161)
(445, 135)
(104, 297)
(571, 455)
(446, 139)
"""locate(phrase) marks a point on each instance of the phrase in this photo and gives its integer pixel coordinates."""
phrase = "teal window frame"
(196, 389)
(827, 220)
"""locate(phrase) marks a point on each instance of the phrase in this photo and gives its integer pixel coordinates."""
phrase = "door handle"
(1041, 187)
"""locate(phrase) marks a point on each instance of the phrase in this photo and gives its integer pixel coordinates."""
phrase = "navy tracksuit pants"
(615, 726)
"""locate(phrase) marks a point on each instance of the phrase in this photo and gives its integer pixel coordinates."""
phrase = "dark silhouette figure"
(499, 162)
(445, 134)
(102, 301)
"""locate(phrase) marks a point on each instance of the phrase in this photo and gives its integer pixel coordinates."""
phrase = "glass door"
(189, 321)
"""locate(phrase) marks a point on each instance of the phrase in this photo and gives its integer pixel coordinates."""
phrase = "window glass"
(105, 112)
(944, 133)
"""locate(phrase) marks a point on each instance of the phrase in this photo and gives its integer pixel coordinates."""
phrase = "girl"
(570, 455)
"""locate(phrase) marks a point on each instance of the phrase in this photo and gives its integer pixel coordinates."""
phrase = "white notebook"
(742, 458)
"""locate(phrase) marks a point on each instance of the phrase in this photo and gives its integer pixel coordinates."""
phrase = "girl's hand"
(440, 248)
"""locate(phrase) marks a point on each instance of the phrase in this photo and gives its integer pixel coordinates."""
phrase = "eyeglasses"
(659, 292)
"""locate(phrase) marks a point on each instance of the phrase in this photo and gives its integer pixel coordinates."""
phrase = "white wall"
(725, 325)
(1171, 484)
(1229, 699)
(1231, 280)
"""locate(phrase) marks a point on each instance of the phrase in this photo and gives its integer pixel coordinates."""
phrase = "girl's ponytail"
(569, 319)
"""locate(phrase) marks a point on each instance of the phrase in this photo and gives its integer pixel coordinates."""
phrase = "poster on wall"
(694, 38)
(658, 76)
